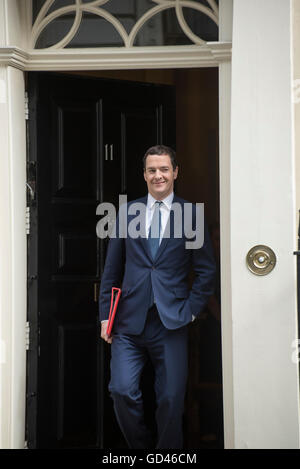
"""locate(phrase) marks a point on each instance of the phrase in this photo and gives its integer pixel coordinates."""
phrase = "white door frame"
(15, 59)
(263, 211)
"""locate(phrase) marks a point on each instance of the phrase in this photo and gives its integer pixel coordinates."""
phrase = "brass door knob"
(261, 260)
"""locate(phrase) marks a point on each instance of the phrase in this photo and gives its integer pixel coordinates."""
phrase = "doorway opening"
(68, 125)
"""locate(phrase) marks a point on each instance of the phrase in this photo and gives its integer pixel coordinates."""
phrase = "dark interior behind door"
(86, 141)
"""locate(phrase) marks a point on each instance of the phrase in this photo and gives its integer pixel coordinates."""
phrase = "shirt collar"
(167, 200)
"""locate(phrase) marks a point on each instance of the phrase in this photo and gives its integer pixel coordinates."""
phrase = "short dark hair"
(161, 150)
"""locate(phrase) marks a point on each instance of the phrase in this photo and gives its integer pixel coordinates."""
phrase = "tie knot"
(158, 203)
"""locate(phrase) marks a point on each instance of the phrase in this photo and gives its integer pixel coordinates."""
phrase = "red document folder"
(115, 296)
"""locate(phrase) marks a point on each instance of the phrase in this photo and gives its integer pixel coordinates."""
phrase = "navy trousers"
(167, 349)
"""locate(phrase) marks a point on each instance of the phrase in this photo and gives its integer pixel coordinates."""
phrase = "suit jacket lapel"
(145, 244)
(143, 240)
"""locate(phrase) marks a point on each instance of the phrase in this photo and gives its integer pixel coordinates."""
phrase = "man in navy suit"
(156, 304)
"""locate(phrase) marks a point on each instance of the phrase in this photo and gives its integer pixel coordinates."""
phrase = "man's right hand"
(104, 335)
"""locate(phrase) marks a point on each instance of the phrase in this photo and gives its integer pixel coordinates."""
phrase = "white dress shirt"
(165, 209)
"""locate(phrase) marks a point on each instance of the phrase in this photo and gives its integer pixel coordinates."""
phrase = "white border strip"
(209, 55)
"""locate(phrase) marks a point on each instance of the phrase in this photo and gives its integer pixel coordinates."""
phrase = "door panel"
(72, 178)
(137, 121)
(87, 140)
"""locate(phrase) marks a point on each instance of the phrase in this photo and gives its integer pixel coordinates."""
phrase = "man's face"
(160, 175)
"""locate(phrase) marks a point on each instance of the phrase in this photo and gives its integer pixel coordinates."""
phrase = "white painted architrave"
(225, 34)
(15, 57)
(13, 248)
(262, 211)
(209, 55)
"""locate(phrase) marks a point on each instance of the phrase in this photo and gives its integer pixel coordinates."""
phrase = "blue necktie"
(154, 232)
(153, 239)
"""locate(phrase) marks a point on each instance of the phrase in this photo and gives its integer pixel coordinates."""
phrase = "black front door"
(86, 141)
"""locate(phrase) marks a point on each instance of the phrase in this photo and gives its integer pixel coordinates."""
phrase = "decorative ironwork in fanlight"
(126, 23)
